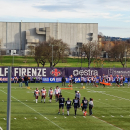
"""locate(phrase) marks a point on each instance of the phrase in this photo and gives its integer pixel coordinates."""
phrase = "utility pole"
(9, 98)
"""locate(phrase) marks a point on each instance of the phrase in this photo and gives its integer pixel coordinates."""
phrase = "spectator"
(34, 79)
(40, 80)
(29, 79)
(63, 80)
(128, 79)
(20, 81)
(123, 80)
(15, 79)
(26, 80)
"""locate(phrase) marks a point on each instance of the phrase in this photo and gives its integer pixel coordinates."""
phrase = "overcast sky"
(112, 16)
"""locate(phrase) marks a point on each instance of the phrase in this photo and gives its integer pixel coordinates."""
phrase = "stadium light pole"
(9, 98)
(125, 56)
(52, 55)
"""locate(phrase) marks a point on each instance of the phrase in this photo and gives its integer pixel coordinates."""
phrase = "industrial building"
(16, 37)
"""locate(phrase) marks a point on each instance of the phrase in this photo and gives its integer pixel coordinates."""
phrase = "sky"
(112, 16)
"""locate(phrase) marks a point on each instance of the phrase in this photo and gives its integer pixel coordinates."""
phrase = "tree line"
(55, 50)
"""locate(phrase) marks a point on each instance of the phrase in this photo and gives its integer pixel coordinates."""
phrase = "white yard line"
(98, 118)
(110, 105)
(108, 94)
(35, 111)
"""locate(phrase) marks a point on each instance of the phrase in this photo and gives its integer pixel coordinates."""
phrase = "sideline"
(34, 111)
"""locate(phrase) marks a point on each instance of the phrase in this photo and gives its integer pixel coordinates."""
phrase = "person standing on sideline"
(82, 80)
(61, 104)
(36, 94)
(78, 95)
(123, 80)
(40, 79)
(90, 106)
(43, 94)
(88, 80)
(56, 92)
(100, 80)
(68, 105)
(76, 104)
(117, 81)
(70, 80)
(111, 79)
(128, 79)
(63, 80)
(84, 107)
(26, 80)
(50, 93)
(15, 79)
(20, 81)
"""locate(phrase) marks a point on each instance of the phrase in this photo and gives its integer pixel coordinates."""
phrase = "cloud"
(65, 9)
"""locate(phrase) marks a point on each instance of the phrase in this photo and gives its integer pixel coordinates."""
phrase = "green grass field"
(111, 109)
(69, 62)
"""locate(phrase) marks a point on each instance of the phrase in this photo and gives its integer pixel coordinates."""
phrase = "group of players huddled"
(68, 103)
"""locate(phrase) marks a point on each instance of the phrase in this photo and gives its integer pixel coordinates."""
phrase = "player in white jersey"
(110, 79)
(59, 91)
(36, 94)
(70, 80)
(88, 80)
(43, 94)
(56, 92)
(50, 93)
(92, 80)
(82, 80)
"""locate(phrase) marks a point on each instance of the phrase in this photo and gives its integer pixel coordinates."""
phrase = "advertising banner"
(54, 75)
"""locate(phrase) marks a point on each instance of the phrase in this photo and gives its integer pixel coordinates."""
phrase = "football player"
(68, 105)
(43, 94)
(36, 94)
(84, 107)
(76, 104)
(50, 93)
(56, 92)
(61, 104)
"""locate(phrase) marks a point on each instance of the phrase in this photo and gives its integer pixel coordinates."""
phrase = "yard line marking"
(107, 123)
(103, 116)
(121, 116)
(35, 111)
(112, 116)
(35, 117)
(25, 118)
(98, 118)
(1, 128)
(15, 118)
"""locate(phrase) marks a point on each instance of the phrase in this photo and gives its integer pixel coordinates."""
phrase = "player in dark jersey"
(84, 107)
(61, 104)
(68, 105)
(76, 104)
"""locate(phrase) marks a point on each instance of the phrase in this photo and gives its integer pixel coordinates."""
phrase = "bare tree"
(40, 53)
(119, 52)
(92, 50)
(60, 51)
(44, 51)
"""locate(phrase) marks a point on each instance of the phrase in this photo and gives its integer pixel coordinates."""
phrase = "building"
(18, 36)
